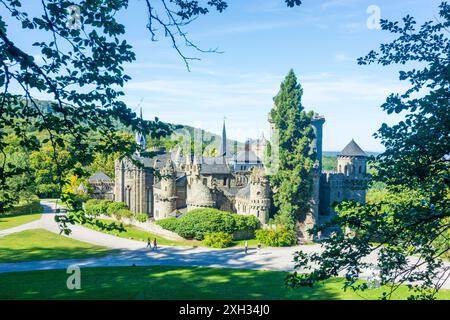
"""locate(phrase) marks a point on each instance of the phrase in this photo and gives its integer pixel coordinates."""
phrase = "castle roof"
(246, 157)
(217, 168)
(352, 150)
(99, 176)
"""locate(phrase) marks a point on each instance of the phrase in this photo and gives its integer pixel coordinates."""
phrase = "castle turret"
(348, 183)
(259, 195)
(165, 192)
(352, 161)
(168, 180)
(199, 195)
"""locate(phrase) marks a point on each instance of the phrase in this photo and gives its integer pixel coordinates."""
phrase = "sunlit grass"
(161, 282)
(135, 233)
(39, 244)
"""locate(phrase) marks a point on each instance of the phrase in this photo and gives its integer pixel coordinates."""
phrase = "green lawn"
(10, 221)
(172, 283)
(136, 233)
(22, 213)
(40, 244)
(132, 232)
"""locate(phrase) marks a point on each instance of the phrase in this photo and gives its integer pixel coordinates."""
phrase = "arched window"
(346, 170)
(360, 169)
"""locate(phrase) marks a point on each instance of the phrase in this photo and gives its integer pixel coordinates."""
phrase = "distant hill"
(212, 139)
(335, 153)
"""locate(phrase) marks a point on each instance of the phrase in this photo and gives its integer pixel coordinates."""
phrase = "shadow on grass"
(38, 253)
(157, 282)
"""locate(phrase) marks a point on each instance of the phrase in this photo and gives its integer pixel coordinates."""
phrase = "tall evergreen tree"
(292, 181)
(410, 224)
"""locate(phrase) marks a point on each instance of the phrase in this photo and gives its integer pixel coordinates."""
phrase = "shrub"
(168, 224)
(244, 223)
(141, 217)
(196, 223)
(278, 237)
(96, 207)
(103, 206)
(123, 213)
(218, 239)
(115, 207)
(90, 207)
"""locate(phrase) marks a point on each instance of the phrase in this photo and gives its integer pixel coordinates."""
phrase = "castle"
(171, 183)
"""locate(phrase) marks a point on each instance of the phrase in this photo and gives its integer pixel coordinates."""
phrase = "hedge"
(170, 224)
(196, 223)
(96, 207)
(122, 213)
(142, 217)
(114, 207)
(218, 239)
(278, 237)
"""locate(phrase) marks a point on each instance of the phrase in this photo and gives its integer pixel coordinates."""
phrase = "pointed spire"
(353, 150)
(140, 137)
(223, 146)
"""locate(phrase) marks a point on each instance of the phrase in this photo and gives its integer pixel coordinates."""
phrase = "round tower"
(166, 195)
(168, 185)
(259, 195)
(199, 196)
(352, 161)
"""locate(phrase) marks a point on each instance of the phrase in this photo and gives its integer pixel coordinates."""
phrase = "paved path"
(135, 252)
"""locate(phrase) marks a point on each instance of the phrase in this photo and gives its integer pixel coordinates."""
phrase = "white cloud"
(337, 3)
(343, 57)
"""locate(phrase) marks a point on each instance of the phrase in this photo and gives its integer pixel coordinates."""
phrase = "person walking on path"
(155, 247)
(259, 248)
(149, 243)
(246, 246)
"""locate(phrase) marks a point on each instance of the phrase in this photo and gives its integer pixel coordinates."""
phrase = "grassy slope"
(40, 244)
(20, 214)
(11, 221)
(135, 233)
(160, 282)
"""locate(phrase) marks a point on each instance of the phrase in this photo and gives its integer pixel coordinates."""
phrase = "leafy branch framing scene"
(226, 131)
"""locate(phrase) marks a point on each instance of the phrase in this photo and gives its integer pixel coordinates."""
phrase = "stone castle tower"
(259, 195)
(166, 195)
(349, 182)
(198, 193)
(255, 198)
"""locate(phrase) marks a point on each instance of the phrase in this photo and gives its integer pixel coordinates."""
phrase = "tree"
(411, 223)
(83, 49)
(292, 182)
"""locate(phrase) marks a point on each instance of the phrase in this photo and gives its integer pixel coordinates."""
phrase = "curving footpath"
(135, 252)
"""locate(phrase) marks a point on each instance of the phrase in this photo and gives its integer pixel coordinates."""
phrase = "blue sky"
(261, 40)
